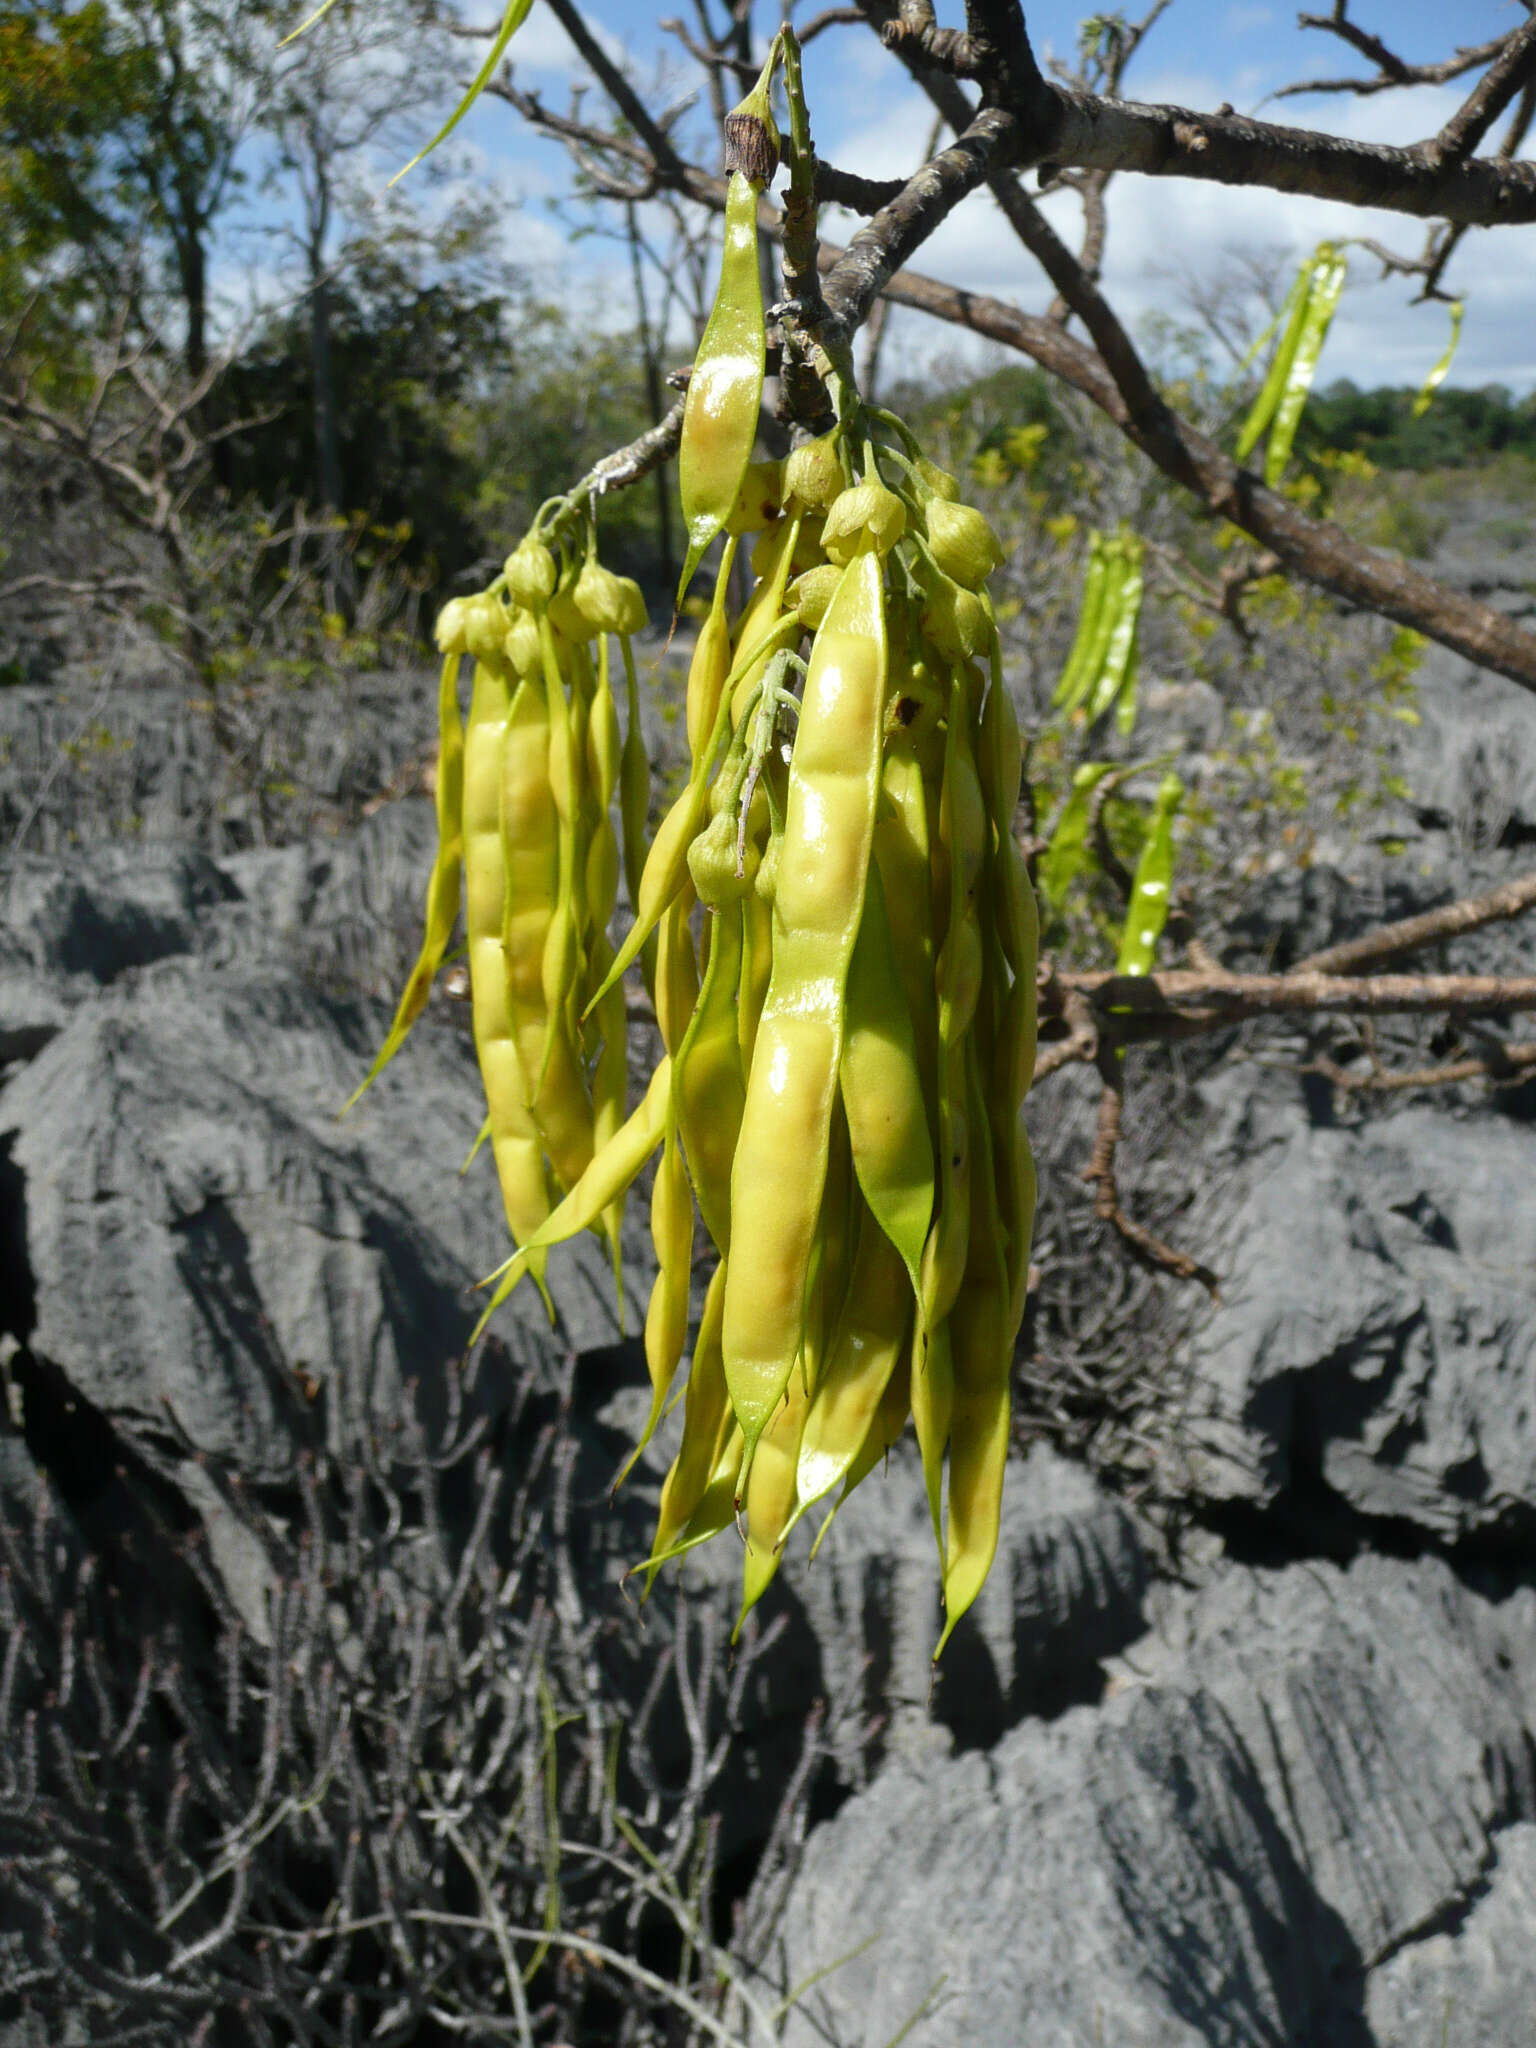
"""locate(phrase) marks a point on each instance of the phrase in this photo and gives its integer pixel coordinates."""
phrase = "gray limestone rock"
(1302, 1771)
(1377, 1328)
(210, 1250)
(1471, 1982)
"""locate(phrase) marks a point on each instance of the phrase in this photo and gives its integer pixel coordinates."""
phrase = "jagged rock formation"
(1272, 1787)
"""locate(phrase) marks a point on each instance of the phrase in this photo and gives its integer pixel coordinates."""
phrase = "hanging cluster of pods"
(836, 929)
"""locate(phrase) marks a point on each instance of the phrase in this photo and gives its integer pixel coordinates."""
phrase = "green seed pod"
(810, 594)
(808, 554)
(962, 542)
(608, 603)
(865, 511)
(485, 628)
(522, 643)
(450, 628)
(759, 500)
(531, 574)
(813, 475)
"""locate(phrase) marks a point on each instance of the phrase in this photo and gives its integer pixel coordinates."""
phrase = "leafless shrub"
(418, 1811)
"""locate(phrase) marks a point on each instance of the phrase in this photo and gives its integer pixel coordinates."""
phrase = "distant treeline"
(1460, 425)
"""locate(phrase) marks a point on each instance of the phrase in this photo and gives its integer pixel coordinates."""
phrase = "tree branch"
(1134, 1000)
(1510, 899)
(1315, 548)
(1493, 93)
(1100, 1175)
(1506, 1064)
(858, 274)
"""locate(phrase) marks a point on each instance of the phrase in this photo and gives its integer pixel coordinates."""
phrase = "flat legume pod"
(781, 1156)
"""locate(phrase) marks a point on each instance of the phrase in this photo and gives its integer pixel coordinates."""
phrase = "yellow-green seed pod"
(450, 630)
(531, 574)
(962, 542)
(864, 514)
(609, 603)
(810, 594)
(759, 500)
(813, 474)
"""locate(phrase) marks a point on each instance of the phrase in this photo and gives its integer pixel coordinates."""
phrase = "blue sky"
(867, 117)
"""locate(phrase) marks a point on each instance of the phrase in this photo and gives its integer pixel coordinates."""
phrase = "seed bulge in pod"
(813, 475)
(810, 594)
(760, 499)
(523, 643)
(531, 573)
(866, 510)
(485, 627)
(449, 631)
(962, 542)
(767, 881)
(609, 603)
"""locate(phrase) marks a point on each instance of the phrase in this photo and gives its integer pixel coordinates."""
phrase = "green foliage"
(1460, 428)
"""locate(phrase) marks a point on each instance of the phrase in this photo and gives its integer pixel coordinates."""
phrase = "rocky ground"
(1253, 1763)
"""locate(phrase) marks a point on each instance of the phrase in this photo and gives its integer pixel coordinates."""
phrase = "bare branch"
(1314, 548)
(1100, 1175)
(628, 465)
(1510, 899)
(1222, 998)
(617, 86)
(1507, 76)
(859, 274)
(1504, 1064)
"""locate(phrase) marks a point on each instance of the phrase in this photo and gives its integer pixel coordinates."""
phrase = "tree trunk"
(327, 445)
(655, 401)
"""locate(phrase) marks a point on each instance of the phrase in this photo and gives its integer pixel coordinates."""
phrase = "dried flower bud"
(531, 574)
(450, 629)
(866, 513)
(759, 500)
(813, 475)
(962, 542)
(752, 134)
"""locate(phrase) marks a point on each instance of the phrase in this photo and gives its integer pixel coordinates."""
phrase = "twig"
(1505, 1064)
(1505, 77)
(1509, 899)
(1100, 1175)
(1147, 998)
